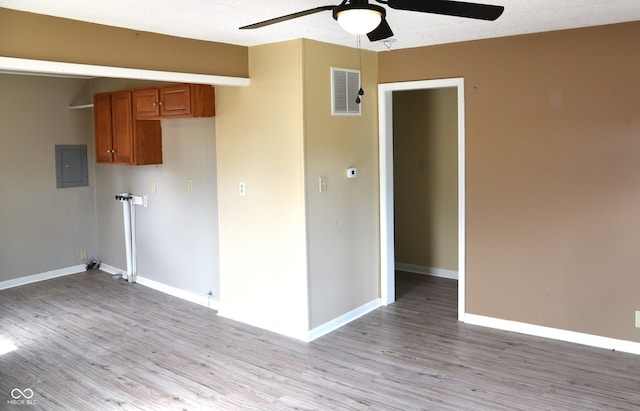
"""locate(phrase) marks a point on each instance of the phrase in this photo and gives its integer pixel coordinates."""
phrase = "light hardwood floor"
(87, 342)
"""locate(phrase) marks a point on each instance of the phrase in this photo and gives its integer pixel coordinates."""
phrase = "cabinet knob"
(160, 103)
(155, 104)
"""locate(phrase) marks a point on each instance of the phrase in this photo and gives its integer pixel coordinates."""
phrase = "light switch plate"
(322, 184)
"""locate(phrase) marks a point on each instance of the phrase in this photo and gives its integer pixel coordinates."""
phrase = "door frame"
(385, 127)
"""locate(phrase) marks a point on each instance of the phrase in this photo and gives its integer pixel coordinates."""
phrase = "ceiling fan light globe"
(359, 20)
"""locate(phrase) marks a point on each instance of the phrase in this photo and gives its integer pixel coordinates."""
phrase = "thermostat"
(352, 172)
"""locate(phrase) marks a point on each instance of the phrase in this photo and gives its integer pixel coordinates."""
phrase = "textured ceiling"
(218, 20)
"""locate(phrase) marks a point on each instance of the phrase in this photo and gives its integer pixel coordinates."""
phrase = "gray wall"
(42, 228)
(177, 235)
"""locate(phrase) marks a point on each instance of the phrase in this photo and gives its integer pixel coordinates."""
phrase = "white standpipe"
(133, 274)
(126, 212)
(129, 213)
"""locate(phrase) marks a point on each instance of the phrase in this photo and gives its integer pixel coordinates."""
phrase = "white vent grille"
(345, 84)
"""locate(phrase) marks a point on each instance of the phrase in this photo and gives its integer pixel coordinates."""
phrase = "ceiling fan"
(360, 17)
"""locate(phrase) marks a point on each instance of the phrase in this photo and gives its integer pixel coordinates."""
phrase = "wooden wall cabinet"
(103, 127)
(120, 139)
(174, 101)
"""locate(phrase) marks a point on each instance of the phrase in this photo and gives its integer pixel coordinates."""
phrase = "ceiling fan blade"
(450, 8)
(287, 17)
(381, 32)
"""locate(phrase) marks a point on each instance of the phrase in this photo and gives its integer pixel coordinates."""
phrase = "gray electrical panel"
(71, 166)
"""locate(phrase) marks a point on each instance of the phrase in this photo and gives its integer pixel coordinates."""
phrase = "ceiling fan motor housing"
(358, 5)
(358, 16)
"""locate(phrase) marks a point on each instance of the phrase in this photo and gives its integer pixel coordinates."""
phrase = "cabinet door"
(145, 103)
(122, 123)
(175, 100)
(147, 138)
(102, 122)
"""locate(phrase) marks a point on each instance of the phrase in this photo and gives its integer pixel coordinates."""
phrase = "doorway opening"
(387, 217)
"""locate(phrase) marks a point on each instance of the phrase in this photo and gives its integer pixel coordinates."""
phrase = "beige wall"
(262, 234)
(425, 173)
(552, 173)
(293, 258)
(39, 37)
(42, 228)
(342, 223)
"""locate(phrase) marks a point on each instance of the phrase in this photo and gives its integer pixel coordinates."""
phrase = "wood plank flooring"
(87, 342)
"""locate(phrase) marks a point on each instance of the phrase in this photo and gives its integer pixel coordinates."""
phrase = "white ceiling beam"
(60, 69)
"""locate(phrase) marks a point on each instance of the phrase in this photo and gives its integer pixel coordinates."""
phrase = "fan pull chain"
(361, 90)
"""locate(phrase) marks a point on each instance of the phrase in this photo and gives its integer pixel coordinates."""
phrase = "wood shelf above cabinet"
(80, 106)
(174, 101)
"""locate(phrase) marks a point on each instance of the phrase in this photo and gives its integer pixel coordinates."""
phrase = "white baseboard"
(255, 320)
(554, 333)
(203, 300)
(298, 333)
(436, 272)
(334, 324)
(16, 282)
(111, 270)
